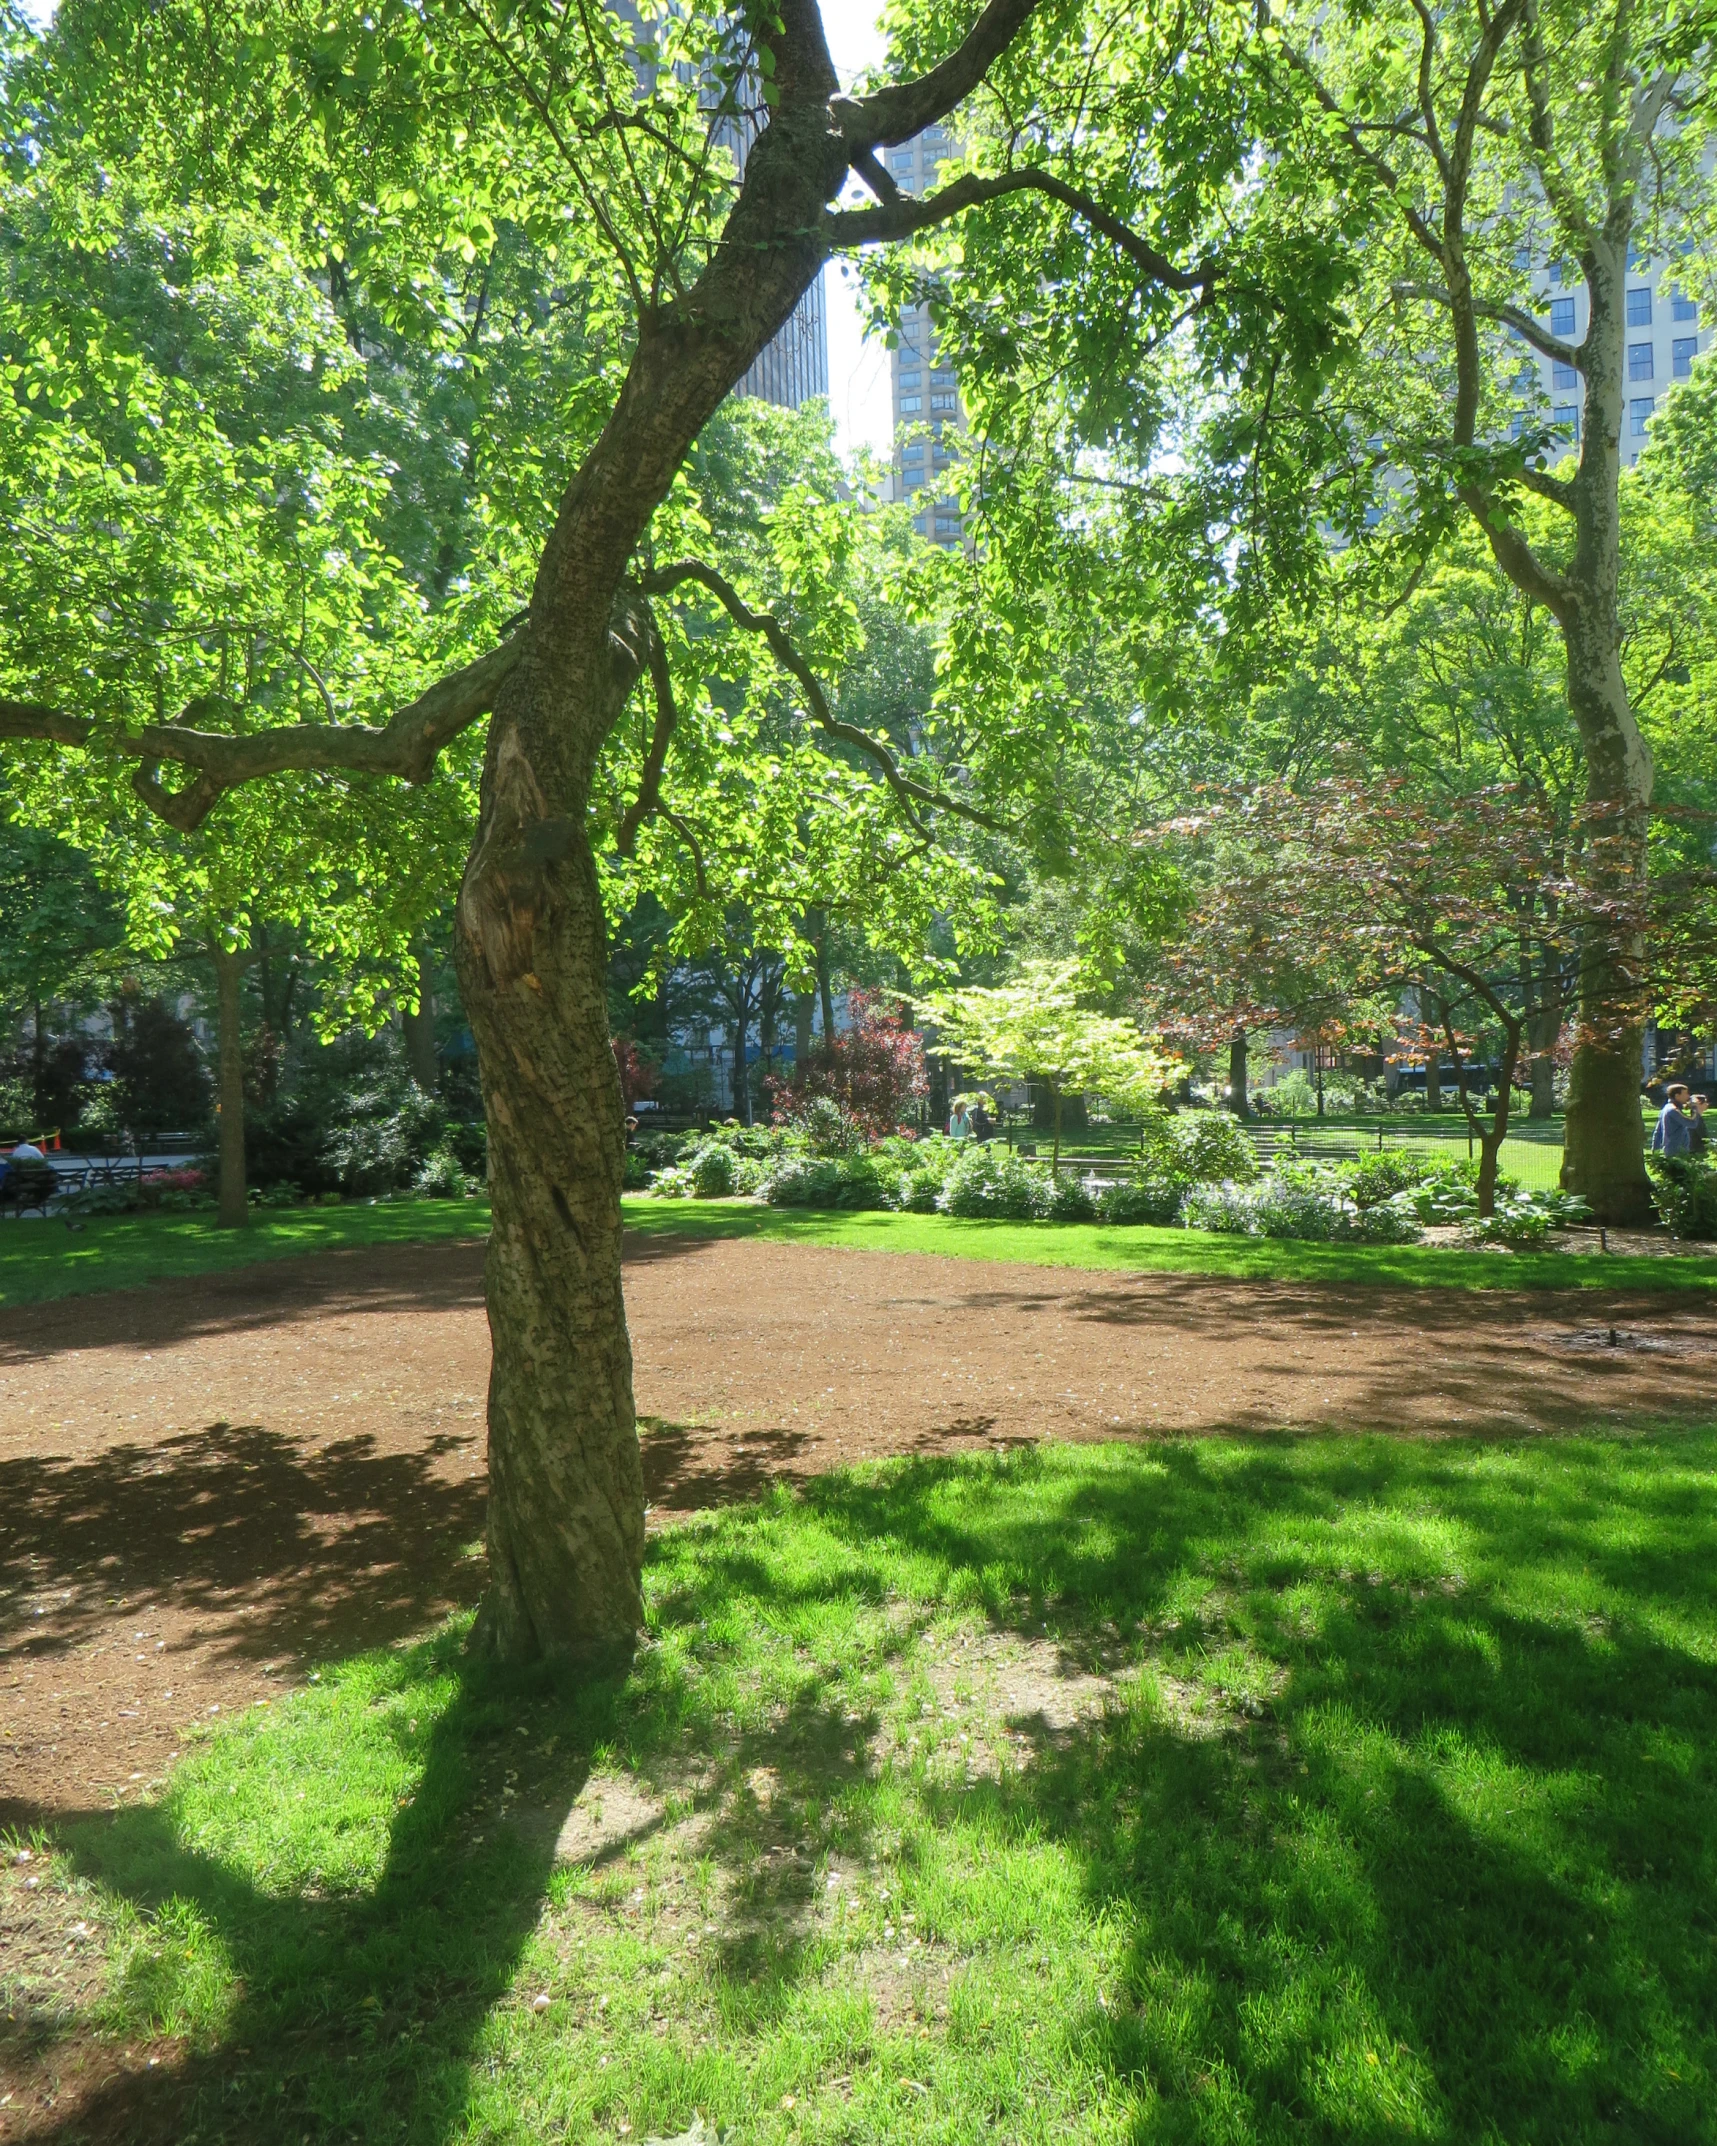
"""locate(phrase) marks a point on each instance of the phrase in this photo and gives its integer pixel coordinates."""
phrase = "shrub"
(1685, 1193)
(916, 1192)
(1376, 1178)
(1069, 1200)
(673, 1183)
(989, 1181)
(711, 1168)
(1274, 1208)
(1150, 1200)
(1522, 1227)
(851, 1181)
(1199, 1147)
(442, 1176)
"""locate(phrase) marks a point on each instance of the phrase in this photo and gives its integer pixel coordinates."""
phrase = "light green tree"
(1035, 1029)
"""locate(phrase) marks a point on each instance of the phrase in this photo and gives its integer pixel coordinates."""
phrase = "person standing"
(959, 1125)
(1673, 1132)
(1696, 1129)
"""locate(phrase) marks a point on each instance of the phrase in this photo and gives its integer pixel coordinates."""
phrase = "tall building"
(795, 367)
(929, 423)
(1664, 336)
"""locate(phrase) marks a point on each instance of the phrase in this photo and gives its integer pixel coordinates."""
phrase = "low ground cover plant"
(1685, 1192)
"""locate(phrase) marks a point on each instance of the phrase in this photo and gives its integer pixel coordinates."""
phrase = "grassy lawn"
(1168, 1251)
(39, 1260)
(1282, 1790)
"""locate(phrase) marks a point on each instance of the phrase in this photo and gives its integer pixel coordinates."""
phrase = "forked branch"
(909, 793)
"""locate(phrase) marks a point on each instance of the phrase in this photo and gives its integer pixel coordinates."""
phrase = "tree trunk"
(419, 1029)
(1055, 1137)
(1492, 1137)
(566, 1494)
(233, 1211)
(566, 1491)
(804, 1006)
(1239, 1100)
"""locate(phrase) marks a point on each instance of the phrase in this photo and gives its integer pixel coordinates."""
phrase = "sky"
(858, 371)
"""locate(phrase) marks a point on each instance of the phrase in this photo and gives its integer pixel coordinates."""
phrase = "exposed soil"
(209, 1487)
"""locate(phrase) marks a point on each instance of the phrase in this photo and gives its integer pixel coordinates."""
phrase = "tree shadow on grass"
(1433, 1863)
(1444, 1870)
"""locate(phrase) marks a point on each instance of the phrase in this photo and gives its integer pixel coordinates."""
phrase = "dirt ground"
(210, 1487)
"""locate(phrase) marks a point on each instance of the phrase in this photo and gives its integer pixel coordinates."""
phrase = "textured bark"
(233, 1211)
(419, 1028)
(1604, 1142)
(566, 1496)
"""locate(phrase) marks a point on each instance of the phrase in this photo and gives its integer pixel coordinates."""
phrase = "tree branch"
(908, 793)
(844, 228)
(903, 109)
(1546, 344)
(649, 797)
(406, 745)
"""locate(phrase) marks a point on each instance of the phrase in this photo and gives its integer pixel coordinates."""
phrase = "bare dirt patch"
(208, 1487)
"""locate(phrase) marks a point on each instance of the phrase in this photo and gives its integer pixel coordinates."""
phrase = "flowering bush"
(850, 1181)
(989, 1181)
(1199, 1147)
(1276, 1208)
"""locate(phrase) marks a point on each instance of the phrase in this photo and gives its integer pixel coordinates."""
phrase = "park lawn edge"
(44, 1263)
(1135, 1249)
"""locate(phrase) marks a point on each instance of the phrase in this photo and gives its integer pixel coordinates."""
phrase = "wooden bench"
(27, 1185)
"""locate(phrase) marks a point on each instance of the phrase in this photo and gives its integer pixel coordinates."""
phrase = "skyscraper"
(794, 367)
(929, 423)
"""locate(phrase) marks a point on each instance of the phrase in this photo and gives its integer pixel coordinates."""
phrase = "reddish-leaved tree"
(874, 1069)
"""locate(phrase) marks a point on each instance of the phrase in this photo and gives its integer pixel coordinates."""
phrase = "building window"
(916, 402)
(944, 402)
(1682, 353)
(947, 525)
(1682, 306)
(912, 479)
(1635, 257)
(908, 380)
(914, 453)
(1562, 375)
(1562, 316)
(1561, 274)
(1567, 420)
(942, 377)
(1639, 361)
(1639, 308)
(1639, 416)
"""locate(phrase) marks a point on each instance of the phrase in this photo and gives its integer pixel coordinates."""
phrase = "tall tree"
(386, 141)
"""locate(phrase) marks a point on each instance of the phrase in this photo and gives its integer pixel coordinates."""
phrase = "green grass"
(1391, 1816)
(1167, 1251)
(42, 1260)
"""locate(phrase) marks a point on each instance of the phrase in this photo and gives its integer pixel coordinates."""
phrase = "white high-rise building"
(1664, 334)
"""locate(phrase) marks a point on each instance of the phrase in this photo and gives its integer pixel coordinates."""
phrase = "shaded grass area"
(1394, 1818)
(1169, 1251)
(43, 1260)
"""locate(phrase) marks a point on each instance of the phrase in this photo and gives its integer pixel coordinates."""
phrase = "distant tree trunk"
(39, 1059)
(419, 1028)
(804, 1008)
(233, 1211)
(1428, 1015)
(1055, 1113)
(1239, 1100)
(741, 1086)
(824, 992)
(1492, 1136)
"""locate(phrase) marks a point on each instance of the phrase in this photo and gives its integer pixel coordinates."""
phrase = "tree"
(390, 144)
(873, 1069)
(1356, 898)
(1034, 1029)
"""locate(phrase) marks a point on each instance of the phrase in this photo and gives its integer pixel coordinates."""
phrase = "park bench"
(29, 1185)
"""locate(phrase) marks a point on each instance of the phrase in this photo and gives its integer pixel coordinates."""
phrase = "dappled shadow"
(1325, 1871)
(274, 1547)
(305, 1287)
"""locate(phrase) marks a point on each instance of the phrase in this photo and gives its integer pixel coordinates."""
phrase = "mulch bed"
(209, 1487)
